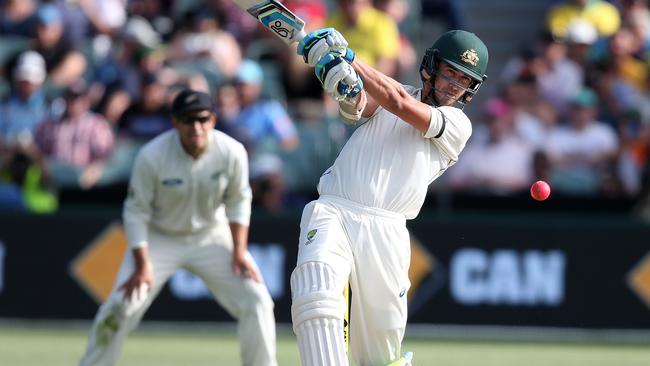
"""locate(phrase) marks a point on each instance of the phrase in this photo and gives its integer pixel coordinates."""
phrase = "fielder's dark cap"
(190, 100)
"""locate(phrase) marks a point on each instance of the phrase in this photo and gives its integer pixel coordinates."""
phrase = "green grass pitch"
(61, 345)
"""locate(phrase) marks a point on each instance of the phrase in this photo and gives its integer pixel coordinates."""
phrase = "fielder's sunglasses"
(190, 120)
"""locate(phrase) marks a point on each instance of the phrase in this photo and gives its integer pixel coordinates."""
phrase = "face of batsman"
(453, 69)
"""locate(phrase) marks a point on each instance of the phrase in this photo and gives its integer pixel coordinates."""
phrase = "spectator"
(105, 16)
(634, 160)
(533, 116)
(581, 153)
(499, 162)
(227, 102)
(236, 22)
(64, 63)
(372, 34)
(23, 182)
(561, 78)
(622, 78)
(77, 28)
(26, 106)
(398, 11)
(268, 183)
(300, 84)
(580, 36)
(313, 12)
(639, 154)
(558, 78)
(636, 17)
(452, 12)
(261, 124)
(77, 145)
(602, 14)
(202, 38)
(149, 116)
(119, 70)
(17, 18)
(82, 19)
(10, 189)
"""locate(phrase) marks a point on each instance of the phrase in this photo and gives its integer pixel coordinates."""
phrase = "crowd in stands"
(84, 83)
(572, 108)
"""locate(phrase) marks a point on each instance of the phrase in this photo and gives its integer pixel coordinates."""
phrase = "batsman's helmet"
(463, 51)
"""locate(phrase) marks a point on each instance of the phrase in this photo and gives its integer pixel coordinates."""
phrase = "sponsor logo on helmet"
(470, 56)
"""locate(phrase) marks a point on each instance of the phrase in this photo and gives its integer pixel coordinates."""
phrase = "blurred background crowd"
(84, 83)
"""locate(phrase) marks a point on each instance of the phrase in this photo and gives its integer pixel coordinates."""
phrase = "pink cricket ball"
(540, 190)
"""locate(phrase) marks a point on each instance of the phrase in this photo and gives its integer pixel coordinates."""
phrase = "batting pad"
(317, 312)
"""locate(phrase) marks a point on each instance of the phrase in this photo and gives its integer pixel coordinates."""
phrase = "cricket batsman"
(356, 230)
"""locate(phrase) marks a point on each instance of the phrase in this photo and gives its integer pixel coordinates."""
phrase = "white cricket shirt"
(175, 194)
(389, 164)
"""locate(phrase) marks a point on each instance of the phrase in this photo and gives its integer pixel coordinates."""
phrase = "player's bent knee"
(255, 298)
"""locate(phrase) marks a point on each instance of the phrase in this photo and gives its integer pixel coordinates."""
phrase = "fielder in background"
(188, 206)
(407, 137)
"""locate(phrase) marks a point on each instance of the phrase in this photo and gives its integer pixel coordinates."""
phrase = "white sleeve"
(449, 129)
(137, 209)
(238, 196)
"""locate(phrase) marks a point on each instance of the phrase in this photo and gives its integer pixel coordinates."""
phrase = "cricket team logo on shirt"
(310, 236)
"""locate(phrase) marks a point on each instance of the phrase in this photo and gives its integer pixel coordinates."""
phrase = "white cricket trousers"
(209, 257)
(341, 240)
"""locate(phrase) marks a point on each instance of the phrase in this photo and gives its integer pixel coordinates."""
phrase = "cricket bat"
(276, 17)
(286, 25)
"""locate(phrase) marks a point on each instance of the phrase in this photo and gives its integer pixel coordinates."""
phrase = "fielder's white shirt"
(389, 164)
(175, 194)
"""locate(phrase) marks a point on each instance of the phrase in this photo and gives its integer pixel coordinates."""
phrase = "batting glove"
(320, 42)
(337, 77)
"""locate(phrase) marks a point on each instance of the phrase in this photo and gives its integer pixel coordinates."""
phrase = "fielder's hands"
(318, 43)
(139, 283)
(338, 77)
(243, 265)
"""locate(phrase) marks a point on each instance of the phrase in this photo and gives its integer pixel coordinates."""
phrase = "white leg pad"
(317, 312)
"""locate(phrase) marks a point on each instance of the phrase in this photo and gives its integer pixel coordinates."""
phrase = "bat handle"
(301, 34)
(349, 87)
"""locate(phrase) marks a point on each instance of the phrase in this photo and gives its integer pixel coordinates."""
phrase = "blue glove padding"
(348, 55)
(349, 90)
(320, 42)
(338, 77)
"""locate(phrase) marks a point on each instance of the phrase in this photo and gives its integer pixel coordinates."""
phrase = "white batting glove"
(351, 108)
(338, 77)
(320, 42)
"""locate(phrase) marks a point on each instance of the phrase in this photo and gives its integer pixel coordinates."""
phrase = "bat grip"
(301, 34)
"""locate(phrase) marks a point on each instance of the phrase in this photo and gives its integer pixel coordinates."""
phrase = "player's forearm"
(135, 225)
(385, 90)
(141, 258)
(239, 237)
(393, 97)
(137, 210)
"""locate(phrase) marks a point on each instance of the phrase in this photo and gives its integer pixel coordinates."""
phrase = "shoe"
(406, 360)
